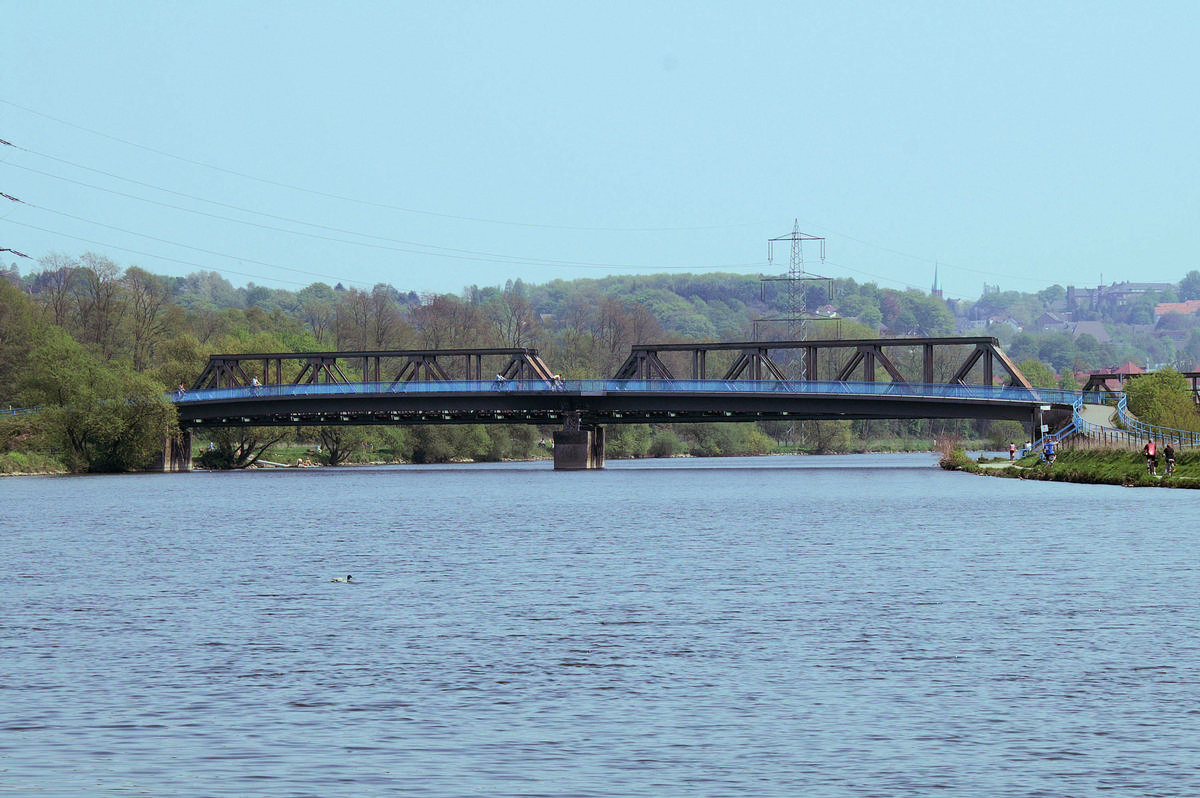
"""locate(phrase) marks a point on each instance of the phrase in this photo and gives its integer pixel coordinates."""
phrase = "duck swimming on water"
(339, 579)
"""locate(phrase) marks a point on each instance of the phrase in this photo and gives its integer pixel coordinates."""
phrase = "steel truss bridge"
(846, 379)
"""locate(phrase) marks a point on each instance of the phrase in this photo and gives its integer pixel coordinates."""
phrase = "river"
(788, 626)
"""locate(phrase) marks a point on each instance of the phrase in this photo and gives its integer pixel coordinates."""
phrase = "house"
(1051, 322)
(1188, 308)
(1121, 294)
(1109, 297)
(1092, 328)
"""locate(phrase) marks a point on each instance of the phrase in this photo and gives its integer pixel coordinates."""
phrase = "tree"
(54, 286)
(104, 418)
(100, 304)
(1067, 380)
(354, 311)
(318, 304)
(1055, 293)
(1189, 286)
(1038, 374)
(1163, 398)
(339, 444)
(239, 447)
(828, 437)
(148, 297)
(19, 333)
(511, 316)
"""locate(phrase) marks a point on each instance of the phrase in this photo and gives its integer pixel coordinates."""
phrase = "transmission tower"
(797, 315)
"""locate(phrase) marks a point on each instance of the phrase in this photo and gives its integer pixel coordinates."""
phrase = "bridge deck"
(605, 402)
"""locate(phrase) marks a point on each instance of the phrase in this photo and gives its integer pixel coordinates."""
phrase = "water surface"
(822, 626)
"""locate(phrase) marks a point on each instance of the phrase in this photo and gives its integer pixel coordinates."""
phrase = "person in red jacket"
(1151, 452)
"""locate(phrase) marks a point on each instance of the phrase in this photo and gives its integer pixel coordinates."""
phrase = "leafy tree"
(1057, 349)
(1163, 398)
(828, 437)
(1037, 373)
(104, 418)
(627, 440)
(239, 447)
(318, 304)
(340, 444)
(1189, 286)
(19, 333)
(726, 439)
(1002, 433)
(1055, 293)
(664, 443)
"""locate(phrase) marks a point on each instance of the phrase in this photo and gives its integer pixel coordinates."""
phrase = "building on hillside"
(988, 323)
(1051, 322)
(1110, 297)
(1188, 308)
(1121, 294)
(1093, 328)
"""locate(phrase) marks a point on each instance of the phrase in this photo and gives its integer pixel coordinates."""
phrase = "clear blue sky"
(437, 145)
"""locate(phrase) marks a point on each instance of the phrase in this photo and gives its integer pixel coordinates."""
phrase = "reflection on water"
(840, 626)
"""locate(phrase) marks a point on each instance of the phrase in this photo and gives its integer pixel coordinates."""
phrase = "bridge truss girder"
(754, 361)
(311, 368)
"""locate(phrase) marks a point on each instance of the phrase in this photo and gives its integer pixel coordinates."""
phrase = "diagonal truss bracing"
(396, 366)
(902, 360)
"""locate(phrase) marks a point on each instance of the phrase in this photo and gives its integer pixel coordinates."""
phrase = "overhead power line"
(371, 203)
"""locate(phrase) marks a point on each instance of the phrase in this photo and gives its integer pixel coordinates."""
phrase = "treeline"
(96, 345)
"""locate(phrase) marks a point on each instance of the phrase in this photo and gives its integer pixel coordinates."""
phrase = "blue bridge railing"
(592, 387)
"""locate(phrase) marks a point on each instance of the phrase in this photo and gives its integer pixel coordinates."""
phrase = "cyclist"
(1150, 450)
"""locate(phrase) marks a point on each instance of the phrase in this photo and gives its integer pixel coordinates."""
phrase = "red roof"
(1128, 367)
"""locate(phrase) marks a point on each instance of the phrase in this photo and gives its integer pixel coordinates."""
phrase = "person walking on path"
(1150, 450)
(1012, 451)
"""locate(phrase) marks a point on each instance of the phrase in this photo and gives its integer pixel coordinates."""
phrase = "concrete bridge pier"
(176, 454)
(578, 448)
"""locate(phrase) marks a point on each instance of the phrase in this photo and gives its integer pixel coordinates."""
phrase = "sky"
(439, 145)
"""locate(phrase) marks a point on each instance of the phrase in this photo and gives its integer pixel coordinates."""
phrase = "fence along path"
(1095, 425)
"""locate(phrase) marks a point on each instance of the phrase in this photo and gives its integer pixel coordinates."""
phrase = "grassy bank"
(26, 463)
(1089, 467)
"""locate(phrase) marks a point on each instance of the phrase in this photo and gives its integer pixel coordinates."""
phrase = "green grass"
(30, 463)
(1103, 467)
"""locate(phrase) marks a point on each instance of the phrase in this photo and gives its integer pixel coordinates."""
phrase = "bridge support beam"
(578, 448)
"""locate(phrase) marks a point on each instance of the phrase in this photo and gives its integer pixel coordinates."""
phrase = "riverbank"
(1084, 466)
(29, 464)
